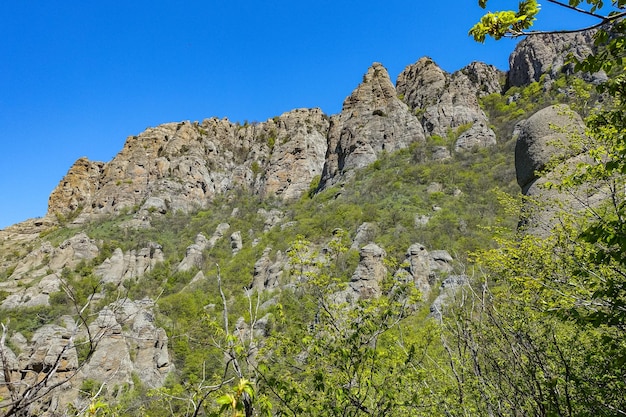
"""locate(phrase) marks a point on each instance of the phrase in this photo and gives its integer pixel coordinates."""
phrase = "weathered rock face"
(268, 271)
(547, 54)
(130, 265)
(297, 155)
(478, 136)
(446, 101)
(372, 120)
(544, 136)
(194, 257)
(364, 234)
(182, 166)
(422, 267)
(78, 187)
(550, 136)
(367, 278)
(128, 343)
(37, 275)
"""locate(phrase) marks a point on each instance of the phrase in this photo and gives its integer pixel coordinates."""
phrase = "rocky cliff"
(183, 166)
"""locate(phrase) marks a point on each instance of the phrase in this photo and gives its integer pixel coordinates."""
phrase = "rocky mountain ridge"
(183, 167)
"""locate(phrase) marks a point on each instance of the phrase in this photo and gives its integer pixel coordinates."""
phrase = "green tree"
(350, 358)
(545, 333)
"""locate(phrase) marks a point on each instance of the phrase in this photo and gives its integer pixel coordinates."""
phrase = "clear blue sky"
(78, 77)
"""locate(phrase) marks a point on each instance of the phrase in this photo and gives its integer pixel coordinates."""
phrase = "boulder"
(545, 136)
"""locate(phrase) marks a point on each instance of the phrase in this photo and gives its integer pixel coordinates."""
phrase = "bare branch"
(577, 9)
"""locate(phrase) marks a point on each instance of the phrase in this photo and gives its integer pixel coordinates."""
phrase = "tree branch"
(605, 20)
(577, 9)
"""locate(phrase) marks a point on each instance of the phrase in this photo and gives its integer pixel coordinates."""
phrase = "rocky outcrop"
(422, 267)
(183, 166)
(367, 278)
(548, 149)
(130, 265)
(34, 295)
(236, 242)
(130, 342)
(548, 54)
(272, 218)
(77, 189)
(37, 275)
(297, 154)
(267, 271)
(364, 233)
(372, 120)
(194, 257)
(478, 136)
(126, 341)
(449, 295)
(545, 136)
(447, 101)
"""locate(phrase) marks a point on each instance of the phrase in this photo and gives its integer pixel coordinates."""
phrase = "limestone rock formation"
(549, 141)
(183, 166)
(267, 272)
(272, 218)
(478, 136)
(364, 233)
(368, 276)
(547, 54)
(236, 242)
(130, 265)
(298, 149)
(219, 233)
(448, 294)
(194, 257)
(447, 101)
(77, 189)
(37, 275)
(422, 267)
(130, 343)
(418, 269)
(372, 120)
(127, 342)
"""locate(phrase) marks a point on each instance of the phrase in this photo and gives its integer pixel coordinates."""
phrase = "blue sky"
(78, 77)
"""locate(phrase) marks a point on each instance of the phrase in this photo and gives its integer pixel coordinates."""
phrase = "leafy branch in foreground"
(516, 23)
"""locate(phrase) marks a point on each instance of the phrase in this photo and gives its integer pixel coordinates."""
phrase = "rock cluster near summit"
(184, 166)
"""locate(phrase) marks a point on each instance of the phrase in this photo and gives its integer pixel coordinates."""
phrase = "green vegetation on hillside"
(536, 327)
